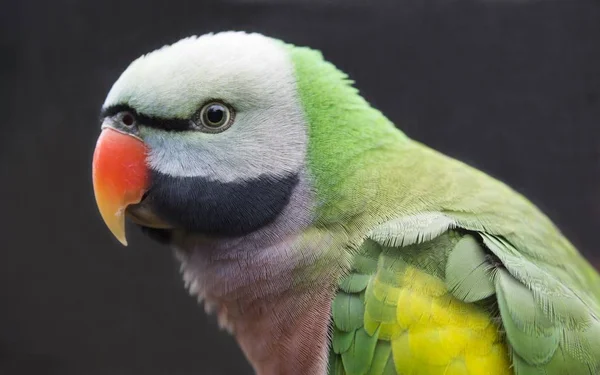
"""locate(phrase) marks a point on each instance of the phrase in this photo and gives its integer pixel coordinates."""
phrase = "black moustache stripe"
(200, 205)
(149, 121)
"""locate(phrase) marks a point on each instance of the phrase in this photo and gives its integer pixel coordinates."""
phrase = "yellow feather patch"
(433, 332)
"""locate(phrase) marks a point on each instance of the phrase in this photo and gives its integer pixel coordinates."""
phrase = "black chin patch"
(162, 236)
(200, 205)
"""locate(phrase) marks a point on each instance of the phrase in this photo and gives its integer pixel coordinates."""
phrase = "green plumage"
(348, 312)
(381, 358)
(358, 358)
(402, 197)
(468, 271)
(354, 282)
(548, 325)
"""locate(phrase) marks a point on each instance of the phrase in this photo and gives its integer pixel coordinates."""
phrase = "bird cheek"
(120, 177)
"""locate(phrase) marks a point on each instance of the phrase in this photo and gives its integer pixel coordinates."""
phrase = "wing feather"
(548, 326)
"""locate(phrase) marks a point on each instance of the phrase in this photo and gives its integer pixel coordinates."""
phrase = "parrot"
(322, 237)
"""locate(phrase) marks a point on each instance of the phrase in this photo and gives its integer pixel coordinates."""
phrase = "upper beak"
(120, 177)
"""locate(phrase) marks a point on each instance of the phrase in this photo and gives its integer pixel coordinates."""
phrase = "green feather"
(354, 282)
(335, 366)
(564, 364)
(529, 332)
(383, 352)
(362, 296)
(468, 271)
(380, 310)
(521, 367)
(549, 328)
(357, 360)
(364, 264)
(348, 311)
(556, 299)
(341, 340)
(390, 367)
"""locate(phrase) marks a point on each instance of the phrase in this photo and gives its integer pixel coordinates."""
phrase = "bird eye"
(216, 116)
(127, 119)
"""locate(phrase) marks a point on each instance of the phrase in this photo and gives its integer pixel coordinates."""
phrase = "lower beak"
(120, 177)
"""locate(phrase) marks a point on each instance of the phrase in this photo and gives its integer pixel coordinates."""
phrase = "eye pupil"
(128, 119)
(214, 117)
(215, 114)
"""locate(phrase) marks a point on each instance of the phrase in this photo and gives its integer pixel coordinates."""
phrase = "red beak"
(120, 177)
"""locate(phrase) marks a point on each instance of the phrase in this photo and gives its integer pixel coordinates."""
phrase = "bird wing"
(438, 297)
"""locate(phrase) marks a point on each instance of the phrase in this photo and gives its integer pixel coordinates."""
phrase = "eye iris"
(215, 114)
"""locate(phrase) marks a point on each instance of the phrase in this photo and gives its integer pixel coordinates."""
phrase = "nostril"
(128, 119)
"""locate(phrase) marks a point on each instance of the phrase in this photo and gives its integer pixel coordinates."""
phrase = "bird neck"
(342, 128)
(275, 301)
(288, 335)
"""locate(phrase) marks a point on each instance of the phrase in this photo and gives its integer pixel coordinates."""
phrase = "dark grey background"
(512, 87)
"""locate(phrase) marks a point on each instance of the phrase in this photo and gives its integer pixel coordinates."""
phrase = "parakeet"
(323, 237)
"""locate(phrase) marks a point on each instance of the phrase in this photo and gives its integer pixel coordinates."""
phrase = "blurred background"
(511, 87)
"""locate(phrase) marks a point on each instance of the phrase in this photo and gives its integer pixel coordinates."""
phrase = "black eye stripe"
(149, 121)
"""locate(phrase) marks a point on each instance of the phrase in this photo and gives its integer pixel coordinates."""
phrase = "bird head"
(213, 134)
